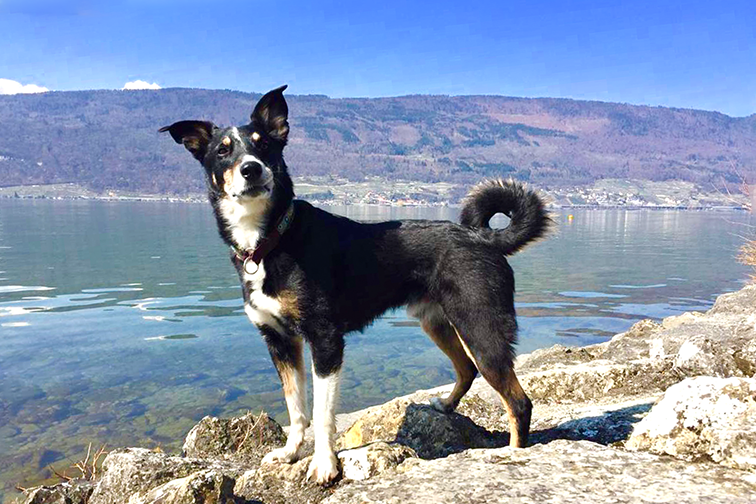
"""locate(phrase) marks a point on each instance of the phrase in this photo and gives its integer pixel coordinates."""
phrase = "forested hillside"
(108, 139)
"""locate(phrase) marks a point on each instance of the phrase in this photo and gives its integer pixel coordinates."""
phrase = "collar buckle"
(251, 258)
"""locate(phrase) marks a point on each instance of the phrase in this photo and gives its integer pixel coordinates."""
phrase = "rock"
(745, 358)
(700, 355)
(741, 302)
(77, 491)
(597, 380)
(131, 473)
(577, 472)
(703, 418)
(607, 423)
(241, 438)
(203, 487)
(372, 460)
(428, 432)
(281, 483)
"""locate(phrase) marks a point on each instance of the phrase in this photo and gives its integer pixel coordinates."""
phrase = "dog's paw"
(438, 404)
(286, 455)
(323, 468)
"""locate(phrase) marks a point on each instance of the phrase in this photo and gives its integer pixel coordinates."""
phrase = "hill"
(108, 140)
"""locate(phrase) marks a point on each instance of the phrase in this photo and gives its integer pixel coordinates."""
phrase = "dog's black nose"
(251, 170)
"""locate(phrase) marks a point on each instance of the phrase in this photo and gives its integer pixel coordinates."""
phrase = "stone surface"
(371, 460)
(69, 492)
(576, 472)
(133, 472)
(281, 483)
(429, 433)
(703, 417)
(204, 487)
(242, 438)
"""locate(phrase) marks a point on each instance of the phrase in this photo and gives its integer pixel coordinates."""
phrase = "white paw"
(439, 405)
(323, 468)
(287, 455)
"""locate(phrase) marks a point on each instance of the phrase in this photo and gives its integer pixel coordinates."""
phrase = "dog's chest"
(261, 309)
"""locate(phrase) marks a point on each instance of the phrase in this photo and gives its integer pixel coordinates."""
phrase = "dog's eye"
(223, 151)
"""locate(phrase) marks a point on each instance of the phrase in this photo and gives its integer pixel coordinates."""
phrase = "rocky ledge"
(665, 412)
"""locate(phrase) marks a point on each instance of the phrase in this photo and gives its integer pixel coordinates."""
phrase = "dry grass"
(747, 256)
(256, 425)
(87, 468)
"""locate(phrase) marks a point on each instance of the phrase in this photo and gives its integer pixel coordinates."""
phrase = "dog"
(309, 276)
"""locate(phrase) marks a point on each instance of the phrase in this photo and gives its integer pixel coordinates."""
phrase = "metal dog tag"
(250, 266)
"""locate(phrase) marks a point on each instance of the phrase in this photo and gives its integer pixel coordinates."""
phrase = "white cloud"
(8, 87)
(140, 84)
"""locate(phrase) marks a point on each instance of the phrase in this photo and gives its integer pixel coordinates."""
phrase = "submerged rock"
(703, 418)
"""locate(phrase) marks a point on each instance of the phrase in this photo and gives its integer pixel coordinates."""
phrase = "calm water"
(122, 322)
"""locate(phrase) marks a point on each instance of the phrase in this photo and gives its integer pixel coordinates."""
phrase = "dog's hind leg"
(491, 350)
(288, 356)
(438, 328)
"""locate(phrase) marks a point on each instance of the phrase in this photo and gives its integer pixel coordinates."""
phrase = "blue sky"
(693, 54)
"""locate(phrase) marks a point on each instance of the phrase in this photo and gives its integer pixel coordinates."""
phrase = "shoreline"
(326, 203)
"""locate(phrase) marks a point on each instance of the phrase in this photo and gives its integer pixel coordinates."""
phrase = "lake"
(122, 322)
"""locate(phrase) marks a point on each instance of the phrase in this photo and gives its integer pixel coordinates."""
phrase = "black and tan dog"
(311, 276)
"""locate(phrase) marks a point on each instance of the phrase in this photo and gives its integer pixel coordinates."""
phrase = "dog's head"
(242, 162)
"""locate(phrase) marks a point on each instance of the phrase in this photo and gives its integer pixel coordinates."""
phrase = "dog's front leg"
(288, 356)
(326, 372)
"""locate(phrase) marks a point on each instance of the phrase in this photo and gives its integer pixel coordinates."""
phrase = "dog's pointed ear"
(194, 135)
(271, 114)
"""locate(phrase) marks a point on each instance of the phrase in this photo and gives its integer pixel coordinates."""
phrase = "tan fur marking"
(255, 136)
(288, 371)
(289, 304)
(513, 390)
(464, 346)
(445, 340)
(288, 378)
(226, 141)
(228, 179)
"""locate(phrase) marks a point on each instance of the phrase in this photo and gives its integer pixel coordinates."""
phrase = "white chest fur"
(244, 222)
(261, 309)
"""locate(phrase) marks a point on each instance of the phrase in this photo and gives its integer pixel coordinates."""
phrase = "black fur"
(343, 274)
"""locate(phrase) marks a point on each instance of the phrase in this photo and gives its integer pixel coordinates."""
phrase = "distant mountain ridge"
(108, 139)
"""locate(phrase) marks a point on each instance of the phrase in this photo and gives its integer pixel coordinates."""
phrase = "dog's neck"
(243, 222)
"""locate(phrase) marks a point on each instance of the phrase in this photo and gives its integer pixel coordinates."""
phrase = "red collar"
(251, 258)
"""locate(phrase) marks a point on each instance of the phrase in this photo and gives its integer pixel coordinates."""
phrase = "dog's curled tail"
(529, 219)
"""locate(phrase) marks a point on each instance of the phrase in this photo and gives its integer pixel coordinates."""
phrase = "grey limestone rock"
(574, 472)
(703, 418)
(77, 491)
(130, 474)
(244, 437)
